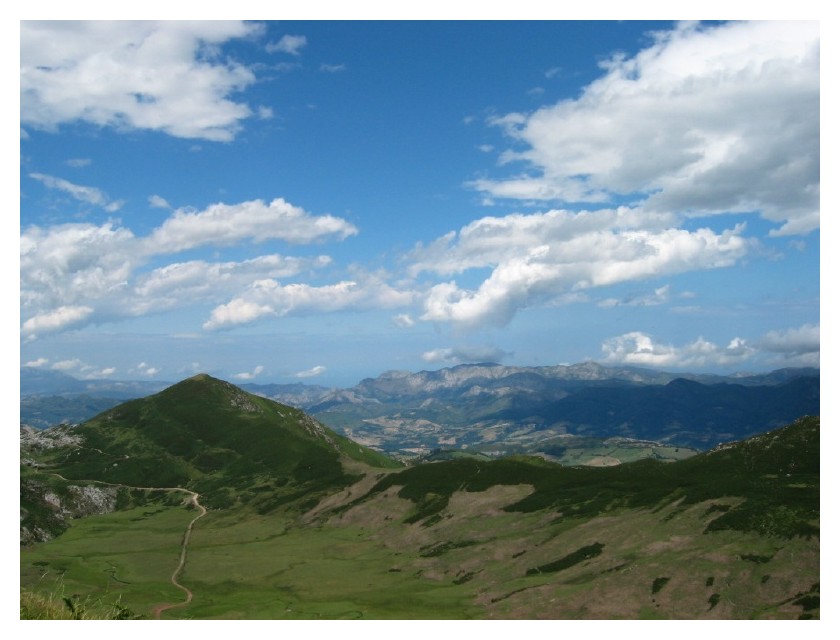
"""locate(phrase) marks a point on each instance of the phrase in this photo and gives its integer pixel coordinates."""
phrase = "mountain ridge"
(39, 381)
(499, 409)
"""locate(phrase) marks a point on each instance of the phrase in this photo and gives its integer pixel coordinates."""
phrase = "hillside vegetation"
(303, 523)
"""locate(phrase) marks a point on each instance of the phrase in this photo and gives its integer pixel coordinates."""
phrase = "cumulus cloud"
(269, 298)
(91, 195)
(639, 348)
(66, 267)
(68, 365)
(145, 370)
(544, 258)
(707, 119)
(287, 44)
(37, 363)
(199, 280)
(799, 346)
(74, 274)
(249, 375)
(466, 354)
(311, 373)
(225, 224)
(792, 343)
(167, 76)
(77, 367)
(55, 320)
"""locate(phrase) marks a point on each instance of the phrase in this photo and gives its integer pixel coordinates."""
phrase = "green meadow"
(476, 561)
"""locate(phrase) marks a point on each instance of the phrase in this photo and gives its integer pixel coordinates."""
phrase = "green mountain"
(212, 437)
(301, 523)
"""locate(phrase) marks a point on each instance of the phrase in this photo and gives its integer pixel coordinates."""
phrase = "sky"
(323, 201)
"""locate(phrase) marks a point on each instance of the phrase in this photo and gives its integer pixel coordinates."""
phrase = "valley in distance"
(475, 492)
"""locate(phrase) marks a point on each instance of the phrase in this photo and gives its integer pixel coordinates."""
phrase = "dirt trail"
(174, 579)
(158, 609)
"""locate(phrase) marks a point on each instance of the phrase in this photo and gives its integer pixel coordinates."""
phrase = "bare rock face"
(52, 505)
(242, 402)
(53, 508)
(90, 500)
(60, 436)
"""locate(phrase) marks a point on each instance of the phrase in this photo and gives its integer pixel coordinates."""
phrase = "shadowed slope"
(776, 474)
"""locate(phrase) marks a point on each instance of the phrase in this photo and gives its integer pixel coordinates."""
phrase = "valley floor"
(475, 561)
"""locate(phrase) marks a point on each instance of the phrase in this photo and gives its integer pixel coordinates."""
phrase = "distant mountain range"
(43, 382)
(496, 409)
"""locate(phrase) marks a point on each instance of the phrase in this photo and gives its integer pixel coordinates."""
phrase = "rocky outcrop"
(49, 503)
(50, 508)
(37, 439)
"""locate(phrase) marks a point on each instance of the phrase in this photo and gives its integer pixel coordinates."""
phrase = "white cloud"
(56, 320)
(91, 195)
(269, 298)
(166, 76)
(332, 68)
(659, 296)
(198, 280)
(799, 346)
(791, 343)
(67, 365)
(75, 274)
(403, 320)
(158, 202)
(39, 362)
(78, 162)
(707, 119)
(63, 269)
(223, 225)
(236, 312)
(543, 258)
(287, 44)
(249, 375)
(311, 373)
(105, 372)
(467, 354)
(639, 348)
(265, 113)
(145, 370)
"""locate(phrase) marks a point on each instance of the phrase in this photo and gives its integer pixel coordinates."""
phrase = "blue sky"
(324, 201)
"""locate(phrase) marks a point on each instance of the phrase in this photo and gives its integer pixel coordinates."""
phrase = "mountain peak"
(211, 391)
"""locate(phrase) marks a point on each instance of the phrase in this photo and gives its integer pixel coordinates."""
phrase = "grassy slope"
(727, 534)
(211, 436)
(758, 469)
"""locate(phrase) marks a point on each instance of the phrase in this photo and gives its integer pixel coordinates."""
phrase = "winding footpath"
(158, 609)
(184, 544)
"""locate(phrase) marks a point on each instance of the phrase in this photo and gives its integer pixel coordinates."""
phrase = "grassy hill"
(305, 524)
(210, 436)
